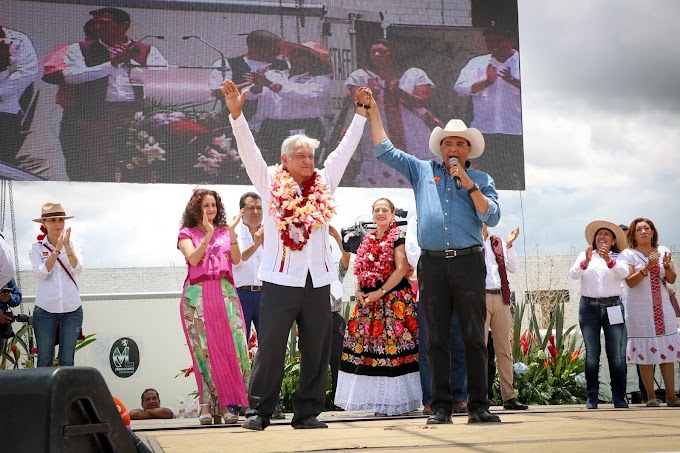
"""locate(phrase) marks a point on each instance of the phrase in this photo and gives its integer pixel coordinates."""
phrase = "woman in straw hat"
(650, 317)
(56, 261)
(211, 313)
(601, 309)
(293, 100)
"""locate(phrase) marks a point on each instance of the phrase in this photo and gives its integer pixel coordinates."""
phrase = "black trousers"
(338, 337)
(448, 284)
(10, 138)
(280, 306)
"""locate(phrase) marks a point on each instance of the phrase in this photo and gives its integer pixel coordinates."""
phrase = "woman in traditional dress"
(403, 98)
(650, 318)
(379, 367)
(601, 275)
(211, 313)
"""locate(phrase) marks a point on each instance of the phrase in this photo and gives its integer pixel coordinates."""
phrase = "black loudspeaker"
(66, 409)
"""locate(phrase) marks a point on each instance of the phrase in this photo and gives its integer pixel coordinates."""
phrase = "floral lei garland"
(375, 258)
(299, 209)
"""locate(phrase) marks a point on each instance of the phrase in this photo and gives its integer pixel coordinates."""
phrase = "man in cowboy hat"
(452, 202)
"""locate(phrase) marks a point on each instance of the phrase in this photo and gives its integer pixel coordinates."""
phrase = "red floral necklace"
(375, 258)
(298, 209)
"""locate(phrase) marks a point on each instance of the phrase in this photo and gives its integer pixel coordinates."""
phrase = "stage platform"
(541, 429)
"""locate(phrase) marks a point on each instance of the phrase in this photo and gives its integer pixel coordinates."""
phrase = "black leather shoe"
(514, 405)
(439, 417)
(278, 415)
(256, 423)
(310, 422)
(483, 417)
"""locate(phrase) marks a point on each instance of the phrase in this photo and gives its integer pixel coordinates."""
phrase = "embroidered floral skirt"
(216, 336)
(652, 334)
(379, 366)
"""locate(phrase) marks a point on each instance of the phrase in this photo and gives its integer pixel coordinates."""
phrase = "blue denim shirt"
(15, 298)
(447, 218)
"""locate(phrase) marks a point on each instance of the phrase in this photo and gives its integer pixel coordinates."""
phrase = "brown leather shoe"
(460, 407)
(427, 409)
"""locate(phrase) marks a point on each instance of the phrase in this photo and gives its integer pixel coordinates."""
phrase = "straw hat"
(316, 49)
(593, 227)
(52, 210)
(457, 128)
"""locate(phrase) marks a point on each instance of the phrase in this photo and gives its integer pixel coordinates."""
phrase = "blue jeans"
(458, 379)
(45, 328)
(592, 317)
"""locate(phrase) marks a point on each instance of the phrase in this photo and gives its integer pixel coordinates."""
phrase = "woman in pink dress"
(210, 310)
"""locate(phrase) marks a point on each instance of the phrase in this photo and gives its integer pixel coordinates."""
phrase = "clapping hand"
(491, 74)
(511, 237)
(258, 237)
(653, 259)
(233, 98)
(207, 224)
(589, 255)
(235, 220)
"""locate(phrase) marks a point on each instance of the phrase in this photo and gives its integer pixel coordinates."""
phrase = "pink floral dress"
(213, 323)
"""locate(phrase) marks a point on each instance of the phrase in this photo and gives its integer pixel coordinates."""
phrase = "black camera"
(352, 236)
(6, 330)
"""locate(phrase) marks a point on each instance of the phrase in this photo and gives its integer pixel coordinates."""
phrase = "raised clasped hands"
(63, 238)
(667, 259)
(364, 96)
(233, 98)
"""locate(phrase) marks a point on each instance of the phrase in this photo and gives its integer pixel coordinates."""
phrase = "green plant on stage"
(19, 354)
(548, 368)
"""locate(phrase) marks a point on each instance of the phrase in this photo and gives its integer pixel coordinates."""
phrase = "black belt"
(250, 288)
(494, 291)
(603, 300)
(452, 253)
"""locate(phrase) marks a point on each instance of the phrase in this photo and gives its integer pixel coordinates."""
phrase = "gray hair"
(299, 139)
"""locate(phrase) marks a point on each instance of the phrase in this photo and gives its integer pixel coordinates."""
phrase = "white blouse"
(56, 292)
(598, 280)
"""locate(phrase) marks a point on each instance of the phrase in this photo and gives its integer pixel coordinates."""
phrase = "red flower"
(188, 371)
(525, 345)
(553, 351)
(377, 329)
(253, 341)
(353, 326)
(34, 351)
(552, 339)
(15, 351)
(411, 324)
(187, 127)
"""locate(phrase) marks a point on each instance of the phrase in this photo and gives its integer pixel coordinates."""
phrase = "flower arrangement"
(548, 368)
(374, 260)
(178, 143)
(299, 209)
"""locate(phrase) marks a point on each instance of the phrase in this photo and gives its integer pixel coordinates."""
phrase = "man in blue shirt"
(452, 202)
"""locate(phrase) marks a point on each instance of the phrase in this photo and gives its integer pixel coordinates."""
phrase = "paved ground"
(541, 428)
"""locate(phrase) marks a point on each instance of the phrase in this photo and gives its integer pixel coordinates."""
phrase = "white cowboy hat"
(52, 210)
(594, 227)
(457, 128)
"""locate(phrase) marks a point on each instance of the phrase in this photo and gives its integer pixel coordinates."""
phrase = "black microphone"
(223, 66)
(150, 36)
(456, 179)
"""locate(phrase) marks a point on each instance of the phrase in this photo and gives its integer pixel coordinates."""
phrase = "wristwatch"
(472, 189)
(383, 291)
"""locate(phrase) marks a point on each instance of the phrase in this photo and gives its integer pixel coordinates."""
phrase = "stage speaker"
(68, 409)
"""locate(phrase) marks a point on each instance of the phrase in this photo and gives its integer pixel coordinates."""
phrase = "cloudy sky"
(601, 102)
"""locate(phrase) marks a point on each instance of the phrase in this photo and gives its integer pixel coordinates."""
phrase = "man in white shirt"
(500, 258)
(297, 266)
(263, 50)
(493, 81)
(458, 379)
(18, 70)
(108, 76)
